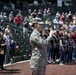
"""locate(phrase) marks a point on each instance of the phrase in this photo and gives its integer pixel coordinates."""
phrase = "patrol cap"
(37, 21)
(40, 23)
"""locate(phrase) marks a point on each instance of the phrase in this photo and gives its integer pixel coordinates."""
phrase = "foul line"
(10, 64)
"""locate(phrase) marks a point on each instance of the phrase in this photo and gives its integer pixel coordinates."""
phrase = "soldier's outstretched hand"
(51, 33)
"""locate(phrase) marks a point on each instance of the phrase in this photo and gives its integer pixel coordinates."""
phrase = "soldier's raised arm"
(36, 38)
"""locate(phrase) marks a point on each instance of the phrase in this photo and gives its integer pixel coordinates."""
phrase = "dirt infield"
(24, 69)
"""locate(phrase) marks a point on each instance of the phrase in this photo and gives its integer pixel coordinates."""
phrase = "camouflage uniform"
(38, 59)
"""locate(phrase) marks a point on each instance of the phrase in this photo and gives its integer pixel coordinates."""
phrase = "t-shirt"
(71, 27)
(17, 20)
(74, 37)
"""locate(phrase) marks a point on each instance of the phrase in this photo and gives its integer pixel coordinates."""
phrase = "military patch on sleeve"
(36, 38)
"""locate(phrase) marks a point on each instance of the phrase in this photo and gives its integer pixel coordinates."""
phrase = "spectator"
(8, 30)
(60, 23)
(58, 14)
(17, 20)
(55, 22)
(70, 15)
(25, 22)
(31, 16)
(40, 13)
(74, 38)
(2, 47)
(71, 47)
(74, 20)
(12, 49)
(48, 12)
(44, 13)
(62, 17)
(5, 7)
(4, 16)
(34, 13)
(11, 17)
(6, 37)
(71, 27)
(1, 16)
(29, 12)
(48, 22)
(66, 17)
(12, 6)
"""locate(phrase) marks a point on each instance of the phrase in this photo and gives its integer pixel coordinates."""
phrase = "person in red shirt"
(74, 38)
(62, 17)
(17, 20)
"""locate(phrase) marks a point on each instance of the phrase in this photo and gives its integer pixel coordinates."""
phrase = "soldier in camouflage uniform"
(38, 59)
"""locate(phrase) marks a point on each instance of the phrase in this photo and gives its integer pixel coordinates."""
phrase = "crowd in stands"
(61, 48)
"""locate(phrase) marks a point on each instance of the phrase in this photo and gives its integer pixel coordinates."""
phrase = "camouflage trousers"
(39, 71)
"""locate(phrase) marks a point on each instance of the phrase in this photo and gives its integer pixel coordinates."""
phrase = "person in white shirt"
(12, 6)
(7, 29)
(58, 14)
(55, 22)
(1, 16)
(11, 17)
(4, 16)
(7, 40)
(71, 26)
